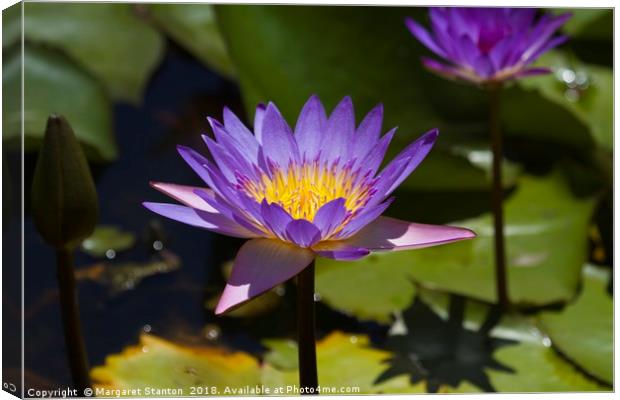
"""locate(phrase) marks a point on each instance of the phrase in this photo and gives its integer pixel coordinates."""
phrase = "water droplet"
(147, 328)
(110, 254)
(317, 297)
(572, 95)
(158, 245)
(546, 341)
(145, 349)
(280, 291)
(567, 75)
(353, 339)
(212, 332)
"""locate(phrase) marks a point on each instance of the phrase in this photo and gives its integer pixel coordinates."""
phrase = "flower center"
(303, 189)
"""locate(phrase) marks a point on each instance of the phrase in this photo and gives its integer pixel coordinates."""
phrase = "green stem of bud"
(74, 340)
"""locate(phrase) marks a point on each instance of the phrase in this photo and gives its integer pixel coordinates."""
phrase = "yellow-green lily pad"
(583, 331)
(344, 361)
(156, 366)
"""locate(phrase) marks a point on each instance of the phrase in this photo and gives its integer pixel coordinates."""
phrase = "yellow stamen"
(302, 190)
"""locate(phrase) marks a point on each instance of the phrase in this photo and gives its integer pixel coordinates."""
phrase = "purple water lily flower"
(484, 45)
(298, 195)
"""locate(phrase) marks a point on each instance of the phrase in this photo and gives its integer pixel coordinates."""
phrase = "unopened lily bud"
(64, 198)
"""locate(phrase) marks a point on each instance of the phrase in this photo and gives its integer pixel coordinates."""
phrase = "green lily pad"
(386, 288)
(343, 361)
(282, 354)
(538, 369)
(106, 238)
(110, 40)
(584, 90)
(583, 331)
(159, 365)
(52, 83)
(194, 27)
(546, 248)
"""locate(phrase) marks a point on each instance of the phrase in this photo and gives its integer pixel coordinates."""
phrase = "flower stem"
(74, 341)
(308, 379)
(498, 196)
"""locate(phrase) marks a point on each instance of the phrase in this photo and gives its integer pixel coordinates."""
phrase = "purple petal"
(394, 235)
(260, 265)
(368, 133)
(196, 161)
(185, 194)
(414, 153)
(364, 218)
(239, 132)
(278, 143)
(373, 160)
(443, 70)
(275, 218)
(226, 164)
(551, 44)
(310, 128)
(215, 222)
(340, 251)
(246, 153)
(339, 131)
(424, 37)
(303, 233)
(258, 122)
(542, 32)
(330, 216)
(243, 216)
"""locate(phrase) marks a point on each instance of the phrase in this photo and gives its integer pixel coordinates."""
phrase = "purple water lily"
(484, 45)
(298, 195)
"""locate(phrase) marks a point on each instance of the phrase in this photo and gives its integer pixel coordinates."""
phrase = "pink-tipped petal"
(394, 235)
(186, 195)
(260, 265)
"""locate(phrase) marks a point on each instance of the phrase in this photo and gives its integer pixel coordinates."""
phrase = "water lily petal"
(391, 234)
(310, 128)
(414, 153)
(215, 222)
(186, 195)
(276, 218)
(368, 133)
(424, 37)
(330, 216)
(278, 144)
(239, 132)
(259, 114)
(303, 233)
(196, 161)
(368, 215)
(260, 265)
(339, 131)
(340, 251)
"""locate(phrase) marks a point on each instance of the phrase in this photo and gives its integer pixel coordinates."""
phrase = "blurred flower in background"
(484, 45)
